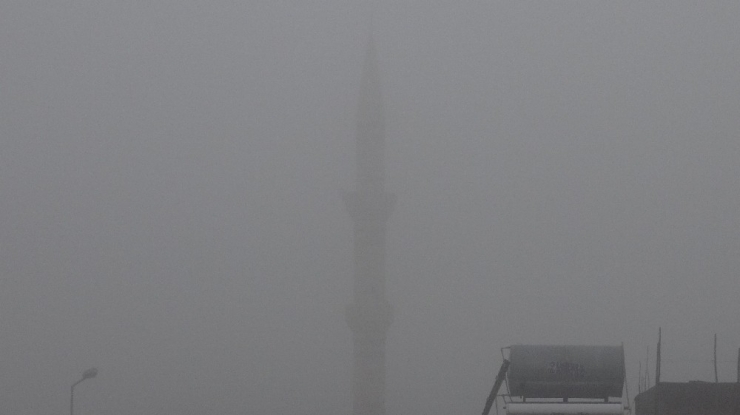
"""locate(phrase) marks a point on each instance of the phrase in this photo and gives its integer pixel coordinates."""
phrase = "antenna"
(647, 368)
(716, 378)
(657, 358)
(657, 374)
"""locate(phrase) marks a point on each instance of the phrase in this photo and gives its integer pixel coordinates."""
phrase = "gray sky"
(170, 211)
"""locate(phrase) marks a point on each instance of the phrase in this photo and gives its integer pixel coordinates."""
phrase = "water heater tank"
(595, 372)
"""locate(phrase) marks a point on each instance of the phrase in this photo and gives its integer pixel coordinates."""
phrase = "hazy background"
(170, 211)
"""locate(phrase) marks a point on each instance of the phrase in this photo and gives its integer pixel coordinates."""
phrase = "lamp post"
(88, 374)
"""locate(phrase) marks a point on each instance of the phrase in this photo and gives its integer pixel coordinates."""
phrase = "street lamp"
(88, 374)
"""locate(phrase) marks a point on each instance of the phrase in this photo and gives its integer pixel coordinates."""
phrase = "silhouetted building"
(692, 398)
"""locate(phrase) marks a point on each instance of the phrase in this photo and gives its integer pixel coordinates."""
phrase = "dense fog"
(170, 196)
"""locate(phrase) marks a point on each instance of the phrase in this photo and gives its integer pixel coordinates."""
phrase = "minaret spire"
(369, 206)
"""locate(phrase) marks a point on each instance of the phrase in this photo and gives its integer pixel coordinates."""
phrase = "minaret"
(369, 206)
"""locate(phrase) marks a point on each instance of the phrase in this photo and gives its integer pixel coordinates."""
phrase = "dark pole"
(716, 378)
(647, 368)
(657, 361)
(72, 397)
(88, 374)
(657, 375)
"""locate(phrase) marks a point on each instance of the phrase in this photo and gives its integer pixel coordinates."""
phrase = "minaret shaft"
(369, 207)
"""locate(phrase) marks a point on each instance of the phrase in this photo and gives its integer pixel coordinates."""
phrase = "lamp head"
(90, 373)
